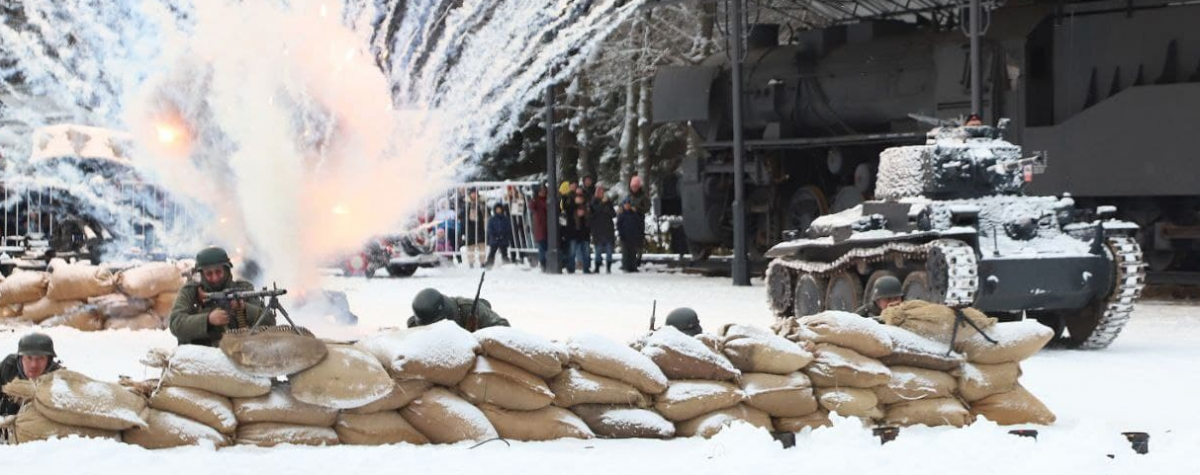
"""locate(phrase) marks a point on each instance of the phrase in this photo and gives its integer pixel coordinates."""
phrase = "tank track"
(962, 275)
(1129, 278)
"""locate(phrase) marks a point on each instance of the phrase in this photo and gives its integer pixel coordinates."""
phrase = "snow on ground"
(1144, 382)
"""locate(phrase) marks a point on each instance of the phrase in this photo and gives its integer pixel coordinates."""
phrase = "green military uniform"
(885, 287)
(430, 306)
(189, 317)
(33, 344)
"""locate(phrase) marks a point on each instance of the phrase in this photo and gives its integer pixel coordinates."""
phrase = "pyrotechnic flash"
(167, 134)
(341, 210)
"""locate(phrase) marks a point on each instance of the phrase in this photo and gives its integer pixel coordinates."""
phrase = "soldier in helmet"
(195, 319)
(430, 306)
(885, 293)
(35, 356)
(685, 320)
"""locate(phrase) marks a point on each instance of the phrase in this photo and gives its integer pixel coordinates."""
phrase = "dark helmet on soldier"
(886, 287)
(685, 320)
(212, 256)
(430, 306)
(36, 344)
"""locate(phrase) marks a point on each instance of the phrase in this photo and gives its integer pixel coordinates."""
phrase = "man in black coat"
(35, 357)
(604, 233)
(632, 230)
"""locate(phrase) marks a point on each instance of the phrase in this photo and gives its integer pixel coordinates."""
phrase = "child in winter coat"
(499, 235)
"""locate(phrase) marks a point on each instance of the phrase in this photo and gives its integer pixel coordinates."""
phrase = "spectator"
(474, 228)
(499, 235)
(566, 209)
(631, 229)
(579, 234)
(538, 206)
(639, 201)
(447, 223)
(603, 231)
(589, 186)
(517, 210)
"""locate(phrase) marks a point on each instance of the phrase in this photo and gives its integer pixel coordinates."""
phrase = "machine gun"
(225, 299)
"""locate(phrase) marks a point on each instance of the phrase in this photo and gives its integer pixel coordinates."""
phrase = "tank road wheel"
(916, 286)
(844, 292)
(1096, 326)
(809, 295)
(869, 290)
(953, 274)
(780, 284)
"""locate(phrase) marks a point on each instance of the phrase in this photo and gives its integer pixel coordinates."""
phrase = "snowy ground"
(1145, 382)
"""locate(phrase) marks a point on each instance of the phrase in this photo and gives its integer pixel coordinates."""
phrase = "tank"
(951, 219)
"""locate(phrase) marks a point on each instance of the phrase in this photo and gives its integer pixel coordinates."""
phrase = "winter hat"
(564, 187)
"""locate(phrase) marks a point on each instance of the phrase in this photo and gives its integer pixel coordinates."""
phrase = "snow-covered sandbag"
(911, 349)
(441, 353)
(348, 377)
(977, 381)
(402, 393)
(148, 280)
(210, 409)
(143, 321)
(547, 423)
(274, 351)
(934, 321)
(43, 309)
(765, 353)
(166, 430)
(73, 399)
(604, 357)
(687, 399)
(12, 310)
(163, 303)
(270, 434)
(910, 384)
(930, 412)
(1014, 407)
(203, 367)
(813, 420)
(848, 330)
(624, 422)
(446, 418)
(78, 282)
(1016, 341)
(84, 321)
(708, 425)
(279, 406)
(714, 343)
(835, 366)
(682, 357)
(779, 395)
(380, 428)
(576, 386)
(524, 350)
(31, 425)
(116, 305)
(496, 382)
(23, 287)
(850, 402)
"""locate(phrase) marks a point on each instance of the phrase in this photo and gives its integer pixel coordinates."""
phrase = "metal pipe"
(976, 90)
(551, 188)
(741, 272)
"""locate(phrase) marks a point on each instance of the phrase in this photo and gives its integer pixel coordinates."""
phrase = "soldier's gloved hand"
(218, 317)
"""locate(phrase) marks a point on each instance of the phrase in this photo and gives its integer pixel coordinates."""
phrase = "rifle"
(473, 319)
(653, 309)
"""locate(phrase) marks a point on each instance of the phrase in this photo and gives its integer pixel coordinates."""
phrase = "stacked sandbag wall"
(91, 298)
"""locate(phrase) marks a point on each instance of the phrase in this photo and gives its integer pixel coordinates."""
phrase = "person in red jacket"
(538, 205)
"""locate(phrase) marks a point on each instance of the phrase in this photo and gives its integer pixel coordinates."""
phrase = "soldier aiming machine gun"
(225, 300)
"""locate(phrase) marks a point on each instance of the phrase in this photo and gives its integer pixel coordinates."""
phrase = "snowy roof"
(71, 140)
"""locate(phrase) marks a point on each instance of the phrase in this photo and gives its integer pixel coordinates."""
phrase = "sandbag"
(1014, 407)
(934, 321)
(710, 424)
(575, 386)
(163, 303)
(682, 357)
(910, 384)
(402, 393)
(496, 382)
(210, 409)
(23, 287)
(166, 430)
(203, 367)
(601, 356)
(143, 321)
(911, 349)
(270, 434)
(818, 418)
(714, 343)
(10, 311)
(148, 280)
(524, 350)
(848, 330)
(348, 377)
(977, 381)
(624, 422)
(117, 305)
(78, 282)
(687, 399)
(930, 412)
(547, 423)
(43, 309)
(850, 402)
(835, 366)
(71, 398)
(84, 321)
(754, 352)
(381, 428)
(32, 425)
(279, 406)
(1016, 341)
(446, 418)
(441, 353)
(273, 351)
(779, 395)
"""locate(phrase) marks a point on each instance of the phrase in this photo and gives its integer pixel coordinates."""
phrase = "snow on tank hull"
(953, 227)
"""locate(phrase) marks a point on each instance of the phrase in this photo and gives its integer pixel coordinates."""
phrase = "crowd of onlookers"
(591, 221)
